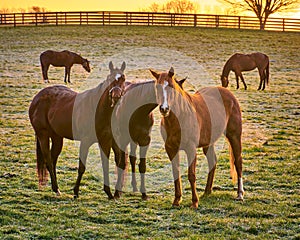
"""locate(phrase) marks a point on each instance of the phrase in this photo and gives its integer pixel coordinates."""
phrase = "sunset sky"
(206, 6)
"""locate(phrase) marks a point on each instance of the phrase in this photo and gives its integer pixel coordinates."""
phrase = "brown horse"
(191, 121)
(61, 59)
(239, 63)
(132, 122)
(57, 112)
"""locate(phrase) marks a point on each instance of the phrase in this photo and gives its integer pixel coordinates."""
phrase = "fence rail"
(145, 18)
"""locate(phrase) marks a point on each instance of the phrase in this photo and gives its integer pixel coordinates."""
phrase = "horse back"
(51, 111)
(217, 109)
(57, 59)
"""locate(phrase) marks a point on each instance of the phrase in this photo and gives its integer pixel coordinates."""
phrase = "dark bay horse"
(191, 121)
(239, 63)
(57, 112)
(61, 59)
(132, 122)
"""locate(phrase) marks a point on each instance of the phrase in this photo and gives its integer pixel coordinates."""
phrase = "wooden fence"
(146, 19)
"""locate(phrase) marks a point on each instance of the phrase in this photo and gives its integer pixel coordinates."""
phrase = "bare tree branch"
(263, 8)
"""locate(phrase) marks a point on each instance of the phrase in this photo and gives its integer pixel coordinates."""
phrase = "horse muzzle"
(165, 111)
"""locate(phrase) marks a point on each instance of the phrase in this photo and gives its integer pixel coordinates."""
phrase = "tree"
(263, 8)
(175, 6)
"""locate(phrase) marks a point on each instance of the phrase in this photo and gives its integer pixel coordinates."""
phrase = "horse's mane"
(184, 100)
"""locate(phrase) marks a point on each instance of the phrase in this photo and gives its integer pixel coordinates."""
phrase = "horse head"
(86, 65)
(166, 84)
(117, 86)
(224, 81)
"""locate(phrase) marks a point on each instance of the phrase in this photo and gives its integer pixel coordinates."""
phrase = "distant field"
(271, 138)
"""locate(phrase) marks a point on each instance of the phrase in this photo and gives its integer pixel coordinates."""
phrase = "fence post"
(80, 18)
(36, 19)
(239, 22)
(217, 21)
(195, 20)
(283, 24)
(15, 23)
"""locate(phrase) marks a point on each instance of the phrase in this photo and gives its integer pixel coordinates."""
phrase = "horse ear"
(111, 66)
(123, 66)
(155, 74)
(180, 82)
(171, 72)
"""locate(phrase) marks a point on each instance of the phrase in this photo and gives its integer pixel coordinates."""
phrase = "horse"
(57, 112)
(239, 63)
(132, 121)
(61, 59)
(191, 121)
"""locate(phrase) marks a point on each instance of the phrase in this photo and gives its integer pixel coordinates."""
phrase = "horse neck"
(227, 68)
(78, 59)
(146, 109)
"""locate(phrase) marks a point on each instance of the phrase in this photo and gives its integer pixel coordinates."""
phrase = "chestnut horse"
(61, 59)
(191, 121)
(57, 112)
(239, 63)
(132, 122)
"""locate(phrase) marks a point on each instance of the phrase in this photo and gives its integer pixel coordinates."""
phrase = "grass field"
(271, 138)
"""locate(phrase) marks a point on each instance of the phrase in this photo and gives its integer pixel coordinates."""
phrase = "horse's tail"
(41, 165)
(267, 73)
(233, 173)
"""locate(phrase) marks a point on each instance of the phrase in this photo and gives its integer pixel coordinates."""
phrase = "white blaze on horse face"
(165, 103)
(118, 75)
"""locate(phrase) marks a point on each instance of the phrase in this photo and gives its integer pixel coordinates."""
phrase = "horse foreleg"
(104, 151)
(174, 158)
(83, 152)
(142, 170)
(192, 160)
(132, 157)
(237, 80)
(121, 169)
(242, 78)
(212, 163)
(67, 74)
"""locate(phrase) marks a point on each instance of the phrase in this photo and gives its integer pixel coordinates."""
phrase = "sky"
(206, 6)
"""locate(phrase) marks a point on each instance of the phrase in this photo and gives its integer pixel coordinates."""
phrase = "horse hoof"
(144, 197)
(117, 194)
(58, 193)
(75, 197)
(175, 205)
(194, 206)
(240, 198)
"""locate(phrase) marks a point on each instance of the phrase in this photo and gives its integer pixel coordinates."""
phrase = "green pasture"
(271, 139)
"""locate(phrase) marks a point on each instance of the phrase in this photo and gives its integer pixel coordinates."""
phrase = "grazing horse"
(61, 59)
(239, 63)
(57, 112)
(191, 121)
(132, 122)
